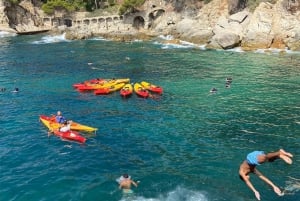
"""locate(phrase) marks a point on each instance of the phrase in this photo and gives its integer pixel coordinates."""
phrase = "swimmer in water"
(229, 80)
(125, 183)
(213, 90)
(16, 90)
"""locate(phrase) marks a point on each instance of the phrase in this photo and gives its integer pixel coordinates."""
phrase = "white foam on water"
(4, 34)
(178, 194)
(99, 38)
(202, 47)
(275, 51)
(174, 46)
(52, 39)
(171, 45)
(236, 49)
(167, 37)
(292, 186)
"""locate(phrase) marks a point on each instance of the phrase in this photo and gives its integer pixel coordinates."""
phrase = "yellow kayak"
(140, 90)
(51, 124)
(127, 90)
(109, 90)
(105, 84)
(116, 87)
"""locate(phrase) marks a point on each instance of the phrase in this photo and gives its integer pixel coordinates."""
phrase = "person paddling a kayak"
(59, 118)
(66, 126)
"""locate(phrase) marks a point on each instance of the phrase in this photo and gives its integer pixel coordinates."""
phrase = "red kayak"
(70, 135)
(89, 82)
(102, 91)
(152, 87)
(89, 87)
(127, 90)
(54, 127)
(140, 90)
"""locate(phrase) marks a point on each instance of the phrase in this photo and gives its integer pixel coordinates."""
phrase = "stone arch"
(94, 21)
(102, 23)
(86, 21)
(68, 22)
(101, 20)
(138, 22)
(109, 20)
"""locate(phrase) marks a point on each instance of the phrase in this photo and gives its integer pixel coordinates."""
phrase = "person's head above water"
(125, 176)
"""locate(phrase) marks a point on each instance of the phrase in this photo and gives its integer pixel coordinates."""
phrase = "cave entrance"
(138, 22)
(68, 22)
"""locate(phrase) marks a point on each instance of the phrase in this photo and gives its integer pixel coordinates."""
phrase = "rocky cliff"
(21, 18)
(219, 24)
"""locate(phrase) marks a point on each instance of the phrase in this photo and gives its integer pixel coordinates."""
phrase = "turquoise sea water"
(185, 145)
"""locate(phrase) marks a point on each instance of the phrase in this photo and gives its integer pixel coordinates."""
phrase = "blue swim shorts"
(252, 157)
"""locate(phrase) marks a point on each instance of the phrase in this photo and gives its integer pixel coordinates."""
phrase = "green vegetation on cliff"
(69, 5)
(252, 4)
(50, 6)
(130, 6)
(14, 1)
(127, 6)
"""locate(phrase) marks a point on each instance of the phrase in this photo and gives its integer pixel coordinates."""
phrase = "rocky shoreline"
(220, 24)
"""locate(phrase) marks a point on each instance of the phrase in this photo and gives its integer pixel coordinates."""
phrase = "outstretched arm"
(249, 184)
(265, 179)
(135, 184)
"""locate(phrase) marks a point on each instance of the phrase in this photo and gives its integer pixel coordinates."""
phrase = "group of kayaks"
(72, 135)
(99, 87)
(123, 85)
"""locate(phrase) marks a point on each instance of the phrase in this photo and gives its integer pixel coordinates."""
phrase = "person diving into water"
(256, 158)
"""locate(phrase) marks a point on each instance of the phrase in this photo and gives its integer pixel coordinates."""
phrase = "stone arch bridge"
(138, 20)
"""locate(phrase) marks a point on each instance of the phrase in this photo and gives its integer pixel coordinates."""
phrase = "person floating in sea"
(228, 82)
(213, 90)
(257, 158)
(16, 90)
(125, 183)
